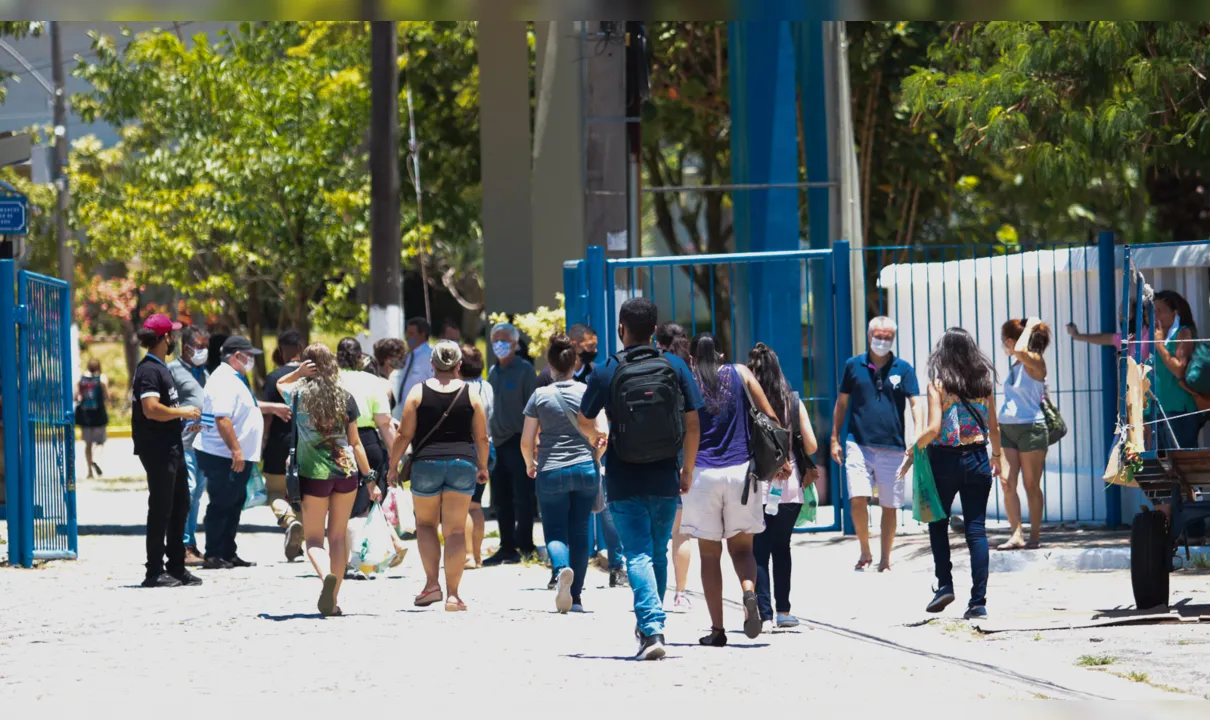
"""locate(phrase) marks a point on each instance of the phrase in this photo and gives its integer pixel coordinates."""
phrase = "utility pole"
(386, 270)
(67, 260)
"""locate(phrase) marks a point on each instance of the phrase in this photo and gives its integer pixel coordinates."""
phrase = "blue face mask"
(414, 342)
(502, 349)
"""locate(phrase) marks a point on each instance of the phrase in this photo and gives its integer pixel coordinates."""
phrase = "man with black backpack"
(652, 401)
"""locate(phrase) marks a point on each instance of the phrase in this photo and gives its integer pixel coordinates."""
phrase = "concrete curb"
(1087, 560)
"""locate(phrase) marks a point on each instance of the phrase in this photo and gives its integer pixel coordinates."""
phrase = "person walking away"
(446, 425)
(332, 464)
(513, 383)
(156, 428)
(874, 393)
(782, 515)
(961, 424)
(672, 338)
(652, 401)
(1023, 433)
(721, 505)
(190, 375)
(584, 342)
(229, 445)
(565, 467)
(279, 439)
(417, 367)
(471, 372)
(92, 415)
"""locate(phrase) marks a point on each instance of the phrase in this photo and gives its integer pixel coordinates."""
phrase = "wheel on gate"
(1150, 559)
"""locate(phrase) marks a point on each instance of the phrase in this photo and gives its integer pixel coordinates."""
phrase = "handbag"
(598, 505)
(405, 473)
(293, 488)
(1056, 427)
(768, 445)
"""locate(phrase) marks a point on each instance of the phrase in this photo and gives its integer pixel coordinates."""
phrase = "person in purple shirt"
(715, 507)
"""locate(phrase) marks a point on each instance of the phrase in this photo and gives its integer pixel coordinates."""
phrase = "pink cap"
(161, 324)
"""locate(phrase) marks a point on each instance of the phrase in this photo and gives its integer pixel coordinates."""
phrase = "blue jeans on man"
(228, 492)
(644, 525)
(197, 486)
(566, 497)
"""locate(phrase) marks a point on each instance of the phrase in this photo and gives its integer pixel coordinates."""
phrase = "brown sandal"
(455, 604)
(429, 596)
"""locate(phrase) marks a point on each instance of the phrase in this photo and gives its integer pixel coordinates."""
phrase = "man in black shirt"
(156, 429)
(279, 436)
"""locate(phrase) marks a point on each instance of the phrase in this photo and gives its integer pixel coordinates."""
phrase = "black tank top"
(454, 439)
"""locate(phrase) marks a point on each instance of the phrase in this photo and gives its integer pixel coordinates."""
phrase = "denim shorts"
(430, 478)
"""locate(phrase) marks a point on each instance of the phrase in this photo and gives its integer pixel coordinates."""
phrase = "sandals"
(863, 563)
(398, 559)
(327, 597)
(716, 638)
(429, 596)
(455, 604)
(1010, 544)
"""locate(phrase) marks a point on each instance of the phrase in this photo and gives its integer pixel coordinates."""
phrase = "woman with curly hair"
(332, 464)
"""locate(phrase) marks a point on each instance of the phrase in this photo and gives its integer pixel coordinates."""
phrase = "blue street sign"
(13, 214)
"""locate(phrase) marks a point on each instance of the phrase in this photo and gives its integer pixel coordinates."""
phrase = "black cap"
(239, 343)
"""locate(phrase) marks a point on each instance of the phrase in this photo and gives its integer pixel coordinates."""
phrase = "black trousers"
(167, 509)
(513, 498)
(774, 543)
(379, 457)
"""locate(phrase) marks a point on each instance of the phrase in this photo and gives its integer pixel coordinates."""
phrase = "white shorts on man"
(870, 467)
(714, 509)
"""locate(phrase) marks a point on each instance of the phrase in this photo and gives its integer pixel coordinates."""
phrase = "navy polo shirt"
(878, 399)
(625, 480)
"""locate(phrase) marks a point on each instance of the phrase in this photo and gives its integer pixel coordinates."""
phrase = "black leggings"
(775, 542)
(379, 458)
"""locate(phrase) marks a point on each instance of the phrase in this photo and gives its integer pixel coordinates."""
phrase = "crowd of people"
(651, 449)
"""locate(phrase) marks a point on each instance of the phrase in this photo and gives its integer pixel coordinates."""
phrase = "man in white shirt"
(417, 365)
(228, 448)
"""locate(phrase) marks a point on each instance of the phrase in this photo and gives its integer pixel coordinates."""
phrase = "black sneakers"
(213, 563)
(187, 578)
(941, 600)
(976, 612)
(503, 558)
(236, 561)
(163, 580)
(651, 647)
(618, 578)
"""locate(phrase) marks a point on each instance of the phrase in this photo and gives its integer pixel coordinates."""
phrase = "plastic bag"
(400, 515)
(810, 503)
(375, 547)
(926, 502)
(257, 494)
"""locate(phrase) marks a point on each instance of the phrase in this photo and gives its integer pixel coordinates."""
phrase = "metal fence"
(741, 298)
(39, 441)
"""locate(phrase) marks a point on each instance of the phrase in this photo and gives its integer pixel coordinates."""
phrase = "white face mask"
(200, 357)
(881, 347)
(244, 366)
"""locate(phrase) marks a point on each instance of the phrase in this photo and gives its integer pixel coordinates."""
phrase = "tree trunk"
(256, 332)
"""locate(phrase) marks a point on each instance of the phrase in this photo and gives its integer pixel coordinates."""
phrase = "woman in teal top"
(1174, 327)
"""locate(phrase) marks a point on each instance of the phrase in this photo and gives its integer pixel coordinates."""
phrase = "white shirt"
(227, 396)
(417, 368)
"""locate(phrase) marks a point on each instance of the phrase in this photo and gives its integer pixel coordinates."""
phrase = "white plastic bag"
(257, 494)
(375, 547)
(399, 511)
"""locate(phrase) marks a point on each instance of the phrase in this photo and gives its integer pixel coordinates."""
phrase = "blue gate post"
(842, 289)
(18, 554)
(1106, 264)
(597, 287)
(574, 309)
(69, 406)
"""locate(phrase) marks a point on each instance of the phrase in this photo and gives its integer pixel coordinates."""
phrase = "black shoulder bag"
(768, 444)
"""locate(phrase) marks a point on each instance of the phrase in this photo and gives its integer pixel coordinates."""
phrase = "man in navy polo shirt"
(876, 387)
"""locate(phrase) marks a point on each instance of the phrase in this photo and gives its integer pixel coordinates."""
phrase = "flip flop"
(752, 623)
(1033, 544)
(1010, 545)
(455, 604)
(428, 597)
(327, 596)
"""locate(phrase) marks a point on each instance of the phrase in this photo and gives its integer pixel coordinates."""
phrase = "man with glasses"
(874, 394)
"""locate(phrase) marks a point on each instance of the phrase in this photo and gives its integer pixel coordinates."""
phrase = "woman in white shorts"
(714, 508)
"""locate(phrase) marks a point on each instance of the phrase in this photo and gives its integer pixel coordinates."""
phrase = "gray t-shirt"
(192, 394)
(560, 443)
(513, 386)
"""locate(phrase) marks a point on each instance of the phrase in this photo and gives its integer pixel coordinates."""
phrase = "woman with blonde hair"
(449, 457)
(331, 463)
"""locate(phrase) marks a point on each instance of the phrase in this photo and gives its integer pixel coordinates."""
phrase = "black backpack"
(647, 418)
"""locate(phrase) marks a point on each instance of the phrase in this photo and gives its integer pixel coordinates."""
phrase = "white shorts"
(712, 509)
(870, 467)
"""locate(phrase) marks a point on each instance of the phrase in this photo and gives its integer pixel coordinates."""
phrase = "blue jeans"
(228, 492)
(609, 535)
(645, 526)
(968, 475)
(430, 478)
(197, 486)
(566, 497)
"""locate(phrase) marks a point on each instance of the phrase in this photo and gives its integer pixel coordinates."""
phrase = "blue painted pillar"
(18, 554)
(764, 150)
(1106, 275)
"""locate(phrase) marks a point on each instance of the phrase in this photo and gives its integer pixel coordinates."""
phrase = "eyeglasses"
(877, 377)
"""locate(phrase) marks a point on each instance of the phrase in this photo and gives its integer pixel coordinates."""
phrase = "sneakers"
(236, 561)
(681, 603)
(618, 578)
(651, 647)
(563, 590)
(751, 615)
(717, 637)
(163, 580)
(188, 578)
(941, 600)
(786, 620)
(554, 580)
(976, 612)
(503, 558)
(576, 605)
(293, 543)
(213, 563)
(768, 627)
(193, 557)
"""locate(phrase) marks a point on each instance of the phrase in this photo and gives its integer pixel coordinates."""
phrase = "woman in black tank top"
(445, 424)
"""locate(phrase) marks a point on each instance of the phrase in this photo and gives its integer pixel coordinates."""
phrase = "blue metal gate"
(39, 437)
(728, 295)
